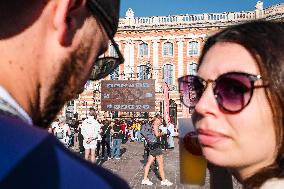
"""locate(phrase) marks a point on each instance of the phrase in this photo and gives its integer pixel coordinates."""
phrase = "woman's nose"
(207, 102)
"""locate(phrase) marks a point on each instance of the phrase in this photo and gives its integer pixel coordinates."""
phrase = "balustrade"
(206, 18)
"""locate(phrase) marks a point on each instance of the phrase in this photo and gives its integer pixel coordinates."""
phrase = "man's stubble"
(66, 86)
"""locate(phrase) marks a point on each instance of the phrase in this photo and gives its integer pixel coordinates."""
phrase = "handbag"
(168, 132)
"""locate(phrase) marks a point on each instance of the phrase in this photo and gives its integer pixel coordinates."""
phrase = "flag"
(166, 103)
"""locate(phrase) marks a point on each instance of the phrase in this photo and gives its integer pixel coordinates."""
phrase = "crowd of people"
(102, 139)
(236, 97)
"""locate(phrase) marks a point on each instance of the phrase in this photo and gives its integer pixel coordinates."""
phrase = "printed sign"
(128, 95)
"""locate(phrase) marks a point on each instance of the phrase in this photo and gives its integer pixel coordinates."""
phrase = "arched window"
(112, 52)
(193, 48)
(115, 74)
(168, 71)
(143, 49)
(192, 68)
(144, 72)
(168, 49)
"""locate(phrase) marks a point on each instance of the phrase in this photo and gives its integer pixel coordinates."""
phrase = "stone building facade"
(164, 48)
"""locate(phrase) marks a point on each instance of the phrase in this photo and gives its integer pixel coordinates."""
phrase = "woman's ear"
(65, 22)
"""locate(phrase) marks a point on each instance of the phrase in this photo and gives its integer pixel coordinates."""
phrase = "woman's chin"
(215, 157)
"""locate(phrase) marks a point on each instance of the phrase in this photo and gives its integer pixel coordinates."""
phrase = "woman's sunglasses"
(104, 66)
(232, 90)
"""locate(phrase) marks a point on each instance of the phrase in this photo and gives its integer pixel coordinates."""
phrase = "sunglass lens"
(103, 67)
(191, 89)
(233, 91)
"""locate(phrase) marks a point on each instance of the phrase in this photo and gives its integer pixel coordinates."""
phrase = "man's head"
(54, 65)
(92, 112)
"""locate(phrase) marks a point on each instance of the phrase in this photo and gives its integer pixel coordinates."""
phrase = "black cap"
(108, 14)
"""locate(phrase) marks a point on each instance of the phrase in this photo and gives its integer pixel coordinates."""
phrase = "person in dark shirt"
(117, 134)
(106, 138)
(80, 138)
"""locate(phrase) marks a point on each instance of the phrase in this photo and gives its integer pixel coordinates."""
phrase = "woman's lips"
(209, 138)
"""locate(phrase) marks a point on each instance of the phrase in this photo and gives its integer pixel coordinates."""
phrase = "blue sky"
(172, 7)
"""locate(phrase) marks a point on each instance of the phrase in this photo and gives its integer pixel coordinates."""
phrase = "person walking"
(155, 151)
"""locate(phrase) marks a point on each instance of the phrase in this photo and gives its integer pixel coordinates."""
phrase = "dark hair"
(158, 116)
(265, 42)
(93, 112)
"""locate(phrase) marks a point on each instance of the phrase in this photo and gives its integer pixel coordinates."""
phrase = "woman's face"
(245, 140)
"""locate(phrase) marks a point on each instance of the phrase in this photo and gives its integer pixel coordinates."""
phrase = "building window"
(143, 49)
(192, 68)
(168, 49)
(112, 52)
(115, 74)
(168, 72)
(193, 48)
(144, 72)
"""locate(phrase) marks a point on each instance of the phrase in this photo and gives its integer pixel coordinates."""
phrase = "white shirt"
(91, 128)
(274, 183)
(163, 129)
(171, 129)
(64, 129)
(9, 99)
(54, 125)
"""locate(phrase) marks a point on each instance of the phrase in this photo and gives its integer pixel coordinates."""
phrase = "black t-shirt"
(117, 132)
(106, 131)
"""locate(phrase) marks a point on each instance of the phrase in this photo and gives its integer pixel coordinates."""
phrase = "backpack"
(147, 133)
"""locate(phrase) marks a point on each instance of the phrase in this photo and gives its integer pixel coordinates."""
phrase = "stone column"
(126, 57)
(155, 58)
(131, 58)
(180, 43)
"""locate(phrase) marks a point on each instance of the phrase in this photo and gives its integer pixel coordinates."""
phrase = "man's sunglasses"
(232, 90)
(104, 66)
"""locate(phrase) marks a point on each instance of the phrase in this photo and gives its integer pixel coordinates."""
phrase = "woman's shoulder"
(274, 183)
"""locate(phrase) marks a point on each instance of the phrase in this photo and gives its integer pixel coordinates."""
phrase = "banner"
(166, 103)
(128, 95)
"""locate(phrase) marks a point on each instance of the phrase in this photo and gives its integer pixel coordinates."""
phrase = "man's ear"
(64, 21)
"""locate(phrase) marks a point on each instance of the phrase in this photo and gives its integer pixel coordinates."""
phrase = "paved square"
(130, 167)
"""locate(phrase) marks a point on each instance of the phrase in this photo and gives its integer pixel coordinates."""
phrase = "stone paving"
(130, 167)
